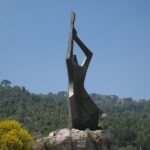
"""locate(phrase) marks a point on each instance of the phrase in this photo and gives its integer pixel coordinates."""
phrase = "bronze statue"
(83, 112)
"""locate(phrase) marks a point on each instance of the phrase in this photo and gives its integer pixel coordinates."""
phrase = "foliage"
(127, 148)
(13, 136)
(5, 83)
(40, 114)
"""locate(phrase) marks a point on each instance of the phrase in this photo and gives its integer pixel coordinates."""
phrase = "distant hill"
(128, 120)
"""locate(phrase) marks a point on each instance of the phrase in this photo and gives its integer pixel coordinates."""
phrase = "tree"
(5, 83)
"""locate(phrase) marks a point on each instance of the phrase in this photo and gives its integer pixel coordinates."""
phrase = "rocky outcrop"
(73, 139)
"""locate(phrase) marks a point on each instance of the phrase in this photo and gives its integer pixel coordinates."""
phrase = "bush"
(13, 136)
(127, 148)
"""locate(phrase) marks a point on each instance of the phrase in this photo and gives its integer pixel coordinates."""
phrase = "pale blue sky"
(34, 35)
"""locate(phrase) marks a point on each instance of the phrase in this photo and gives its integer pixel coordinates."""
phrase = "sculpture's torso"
(82, 104)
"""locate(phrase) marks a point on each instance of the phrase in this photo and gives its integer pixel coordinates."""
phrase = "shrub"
(13, 136)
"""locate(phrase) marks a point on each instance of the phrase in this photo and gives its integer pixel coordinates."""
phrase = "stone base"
(73, 139)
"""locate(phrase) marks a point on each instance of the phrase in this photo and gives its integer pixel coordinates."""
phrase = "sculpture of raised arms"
(83, 112)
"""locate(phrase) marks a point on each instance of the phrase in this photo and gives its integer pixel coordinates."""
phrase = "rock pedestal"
(73, 139)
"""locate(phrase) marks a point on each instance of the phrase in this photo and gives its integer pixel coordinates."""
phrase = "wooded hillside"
(40, 114)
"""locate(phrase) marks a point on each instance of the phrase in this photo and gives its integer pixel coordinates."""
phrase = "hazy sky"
(34, 36)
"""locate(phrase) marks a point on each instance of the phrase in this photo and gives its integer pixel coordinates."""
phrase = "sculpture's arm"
(85, 50)
(70, 57)
(71, 37)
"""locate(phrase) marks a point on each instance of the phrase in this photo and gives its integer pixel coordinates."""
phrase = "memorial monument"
(83, 112)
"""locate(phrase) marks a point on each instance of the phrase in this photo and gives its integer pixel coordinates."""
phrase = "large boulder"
(73, 139)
